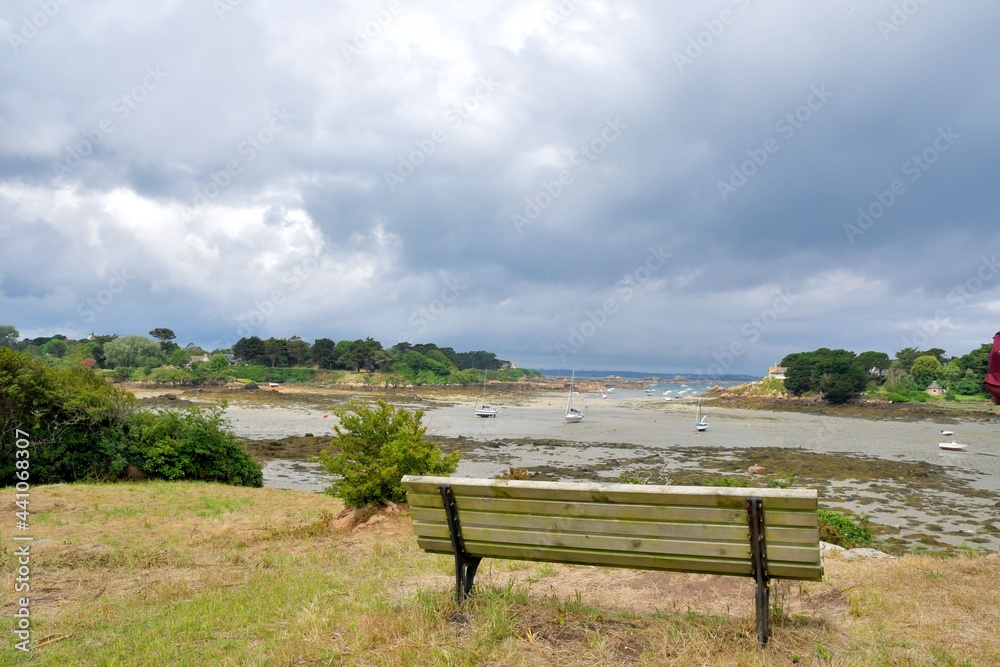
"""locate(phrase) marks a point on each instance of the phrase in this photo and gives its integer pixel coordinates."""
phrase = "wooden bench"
(759, 533)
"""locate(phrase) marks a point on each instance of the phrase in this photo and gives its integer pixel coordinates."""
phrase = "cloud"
(361, 170)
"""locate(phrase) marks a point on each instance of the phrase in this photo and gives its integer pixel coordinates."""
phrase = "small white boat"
(953, 446)
(485, 409)
(701, 424)
(573, 415)
(948, 433)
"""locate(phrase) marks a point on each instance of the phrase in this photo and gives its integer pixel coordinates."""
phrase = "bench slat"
(653, 528)
(478, 541)
(804, 499)
(587, 509)
(697, 565)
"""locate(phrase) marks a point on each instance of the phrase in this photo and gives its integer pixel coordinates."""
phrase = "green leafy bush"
(82, 427)
(378, 445)
(194, 443)
(842, 530)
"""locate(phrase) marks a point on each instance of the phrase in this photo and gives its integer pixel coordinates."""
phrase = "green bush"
(194, 443)
(378, 445)
(842, 530)
(82, 427)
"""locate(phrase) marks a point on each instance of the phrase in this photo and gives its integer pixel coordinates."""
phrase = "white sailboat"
(573, 415)
(701, 424)
(485, 409)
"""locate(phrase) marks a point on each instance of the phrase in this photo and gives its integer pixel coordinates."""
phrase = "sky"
(633, 185)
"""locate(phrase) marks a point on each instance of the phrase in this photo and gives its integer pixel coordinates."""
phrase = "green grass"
(164, 573)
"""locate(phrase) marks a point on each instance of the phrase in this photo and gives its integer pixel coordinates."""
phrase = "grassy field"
(199, 574)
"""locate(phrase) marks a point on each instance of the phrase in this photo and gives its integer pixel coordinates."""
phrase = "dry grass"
(178, 574)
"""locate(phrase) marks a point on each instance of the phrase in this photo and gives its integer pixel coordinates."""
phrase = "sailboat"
(701, 424)
(485, 409)
(572, 414)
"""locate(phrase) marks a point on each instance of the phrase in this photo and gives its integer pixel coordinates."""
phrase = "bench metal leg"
(465, 565)
(758, 556)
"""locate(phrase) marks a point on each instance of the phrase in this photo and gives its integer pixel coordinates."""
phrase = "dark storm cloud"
(499, 176)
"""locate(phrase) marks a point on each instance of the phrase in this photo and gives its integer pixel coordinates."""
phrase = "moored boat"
(953, 446)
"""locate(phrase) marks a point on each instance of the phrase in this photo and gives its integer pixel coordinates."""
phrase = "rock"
(370, 522)
(853, 554)
(135, 473)
(825, 547)
(756, 470)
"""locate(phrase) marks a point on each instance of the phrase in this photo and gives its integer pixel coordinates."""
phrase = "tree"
(836, 374)
(925, 369)
(325, 353)
(8, 336)
(348, 354)
(798, 373)
(843, 379)
(276, 350)
(298, 350)
(219, 364)
(57, 348)
(162, 334)
(133, 352)
(977, 361)
(875, 364)
(179, 358)
(250, 350)
(166, 337)
(378, 445)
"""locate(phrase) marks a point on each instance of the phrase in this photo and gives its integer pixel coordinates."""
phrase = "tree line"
(158, 358)
(841, 375)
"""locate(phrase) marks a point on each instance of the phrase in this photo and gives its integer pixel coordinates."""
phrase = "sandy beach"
(915, 493)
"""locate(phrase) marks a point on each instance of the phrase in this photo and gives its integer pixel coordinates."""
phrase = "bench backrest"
(676, 528)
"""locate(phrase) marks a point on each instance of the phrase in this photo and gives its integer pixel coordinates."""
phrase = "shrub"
(842, 530)
(194, 443)
(82, 427)
(378, 445)
(515, 473)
